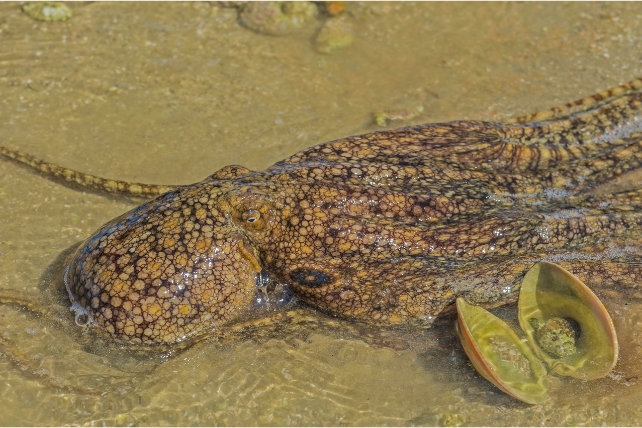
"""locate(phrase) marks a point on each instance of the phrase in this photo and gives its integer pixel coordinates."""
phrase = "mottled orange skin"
(387, 227)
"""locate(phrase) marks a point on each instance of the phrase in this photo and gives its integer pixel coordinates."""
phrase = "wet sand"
(169, 93)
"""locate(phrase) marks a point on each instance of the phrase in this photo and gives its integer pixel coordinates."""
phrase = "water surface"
(169, 93)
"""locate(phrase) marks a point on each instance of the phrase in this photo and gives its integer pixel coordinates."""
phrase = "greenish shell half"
(549, 291)
(500, 355)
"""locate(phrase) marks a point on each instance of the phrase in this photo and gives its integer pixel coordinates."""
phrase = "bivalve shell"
(548, 296)
(500, 355)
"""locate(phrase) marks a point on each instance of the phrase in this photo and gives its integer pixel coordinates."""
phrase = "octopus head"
(177, 267)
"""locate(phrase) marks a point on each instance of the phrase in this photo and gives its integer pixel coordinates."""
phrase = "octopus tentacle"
(615, 271)
(592, 128)
(540, 146)
(568, 109)
(611, 277)
(93, 182)
(27, 366)
(19, 359)
(24, 364)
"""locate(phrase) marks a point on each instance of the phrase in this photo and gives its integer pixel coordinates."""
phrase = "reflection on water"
(169, 93)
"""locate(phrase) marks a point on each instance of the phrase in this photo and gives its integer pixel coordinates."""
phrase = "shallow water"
(169, 93)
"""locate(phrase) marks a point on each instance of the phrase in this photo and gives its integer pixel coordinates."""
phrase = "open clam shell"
(499, 355)
(550, 293)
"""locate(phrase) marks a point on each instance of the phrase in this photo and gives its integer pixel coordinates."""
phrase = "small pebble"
(335, 7)
(335, 34)
(277, 18)
(35, 86)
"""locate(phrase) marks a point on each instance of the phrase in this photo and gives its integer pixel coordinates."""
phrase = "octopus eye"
(251, 216)
(310, 278)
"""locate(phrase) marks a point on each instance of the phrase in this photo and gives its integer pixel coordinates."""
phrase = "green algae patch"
(48, 11)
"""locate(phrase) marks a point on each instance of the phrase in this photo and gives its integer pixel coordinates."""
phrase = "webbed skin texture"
(388, 227)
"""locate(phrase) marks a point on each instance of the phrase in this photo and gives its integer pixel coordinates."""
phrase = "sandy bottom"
(169, 93)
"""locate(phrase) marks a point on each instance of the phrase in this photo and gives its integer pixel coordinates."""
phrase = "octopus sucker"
(389, 227)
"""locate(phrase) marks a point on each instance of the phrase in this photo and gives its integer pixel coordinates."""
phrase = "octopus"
(385, 228)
